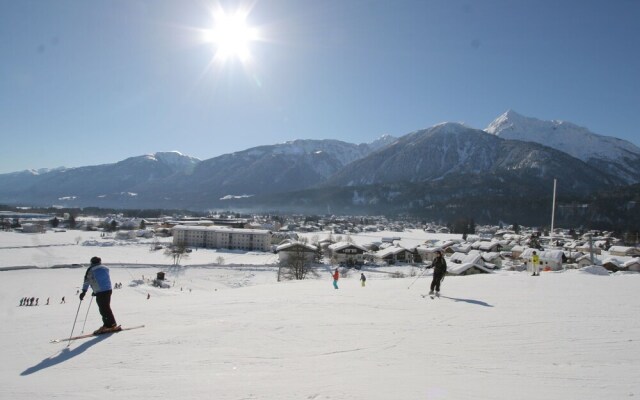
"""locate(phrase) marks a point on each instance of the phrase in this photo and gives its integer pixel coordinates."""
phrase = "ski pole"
(86, 316)
(74, 324)
(415, 280)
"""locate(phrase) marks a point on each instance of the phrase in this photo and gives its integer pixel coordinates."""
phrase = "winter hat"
(95, 260)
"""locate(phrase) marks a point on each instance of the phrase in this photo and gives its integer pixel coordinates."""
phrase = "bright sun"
(232, 36)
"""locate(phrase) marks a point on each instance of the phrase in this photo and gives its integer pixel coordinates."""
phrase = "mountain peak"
(508, 120)
(619, 157)
(450, 128)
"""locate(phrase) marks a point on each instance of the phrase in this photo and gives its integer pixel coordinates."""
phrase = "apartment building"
(216, 237)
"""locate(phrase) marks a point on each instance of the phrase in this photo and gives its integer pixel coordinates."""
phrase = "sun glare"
(231, 36)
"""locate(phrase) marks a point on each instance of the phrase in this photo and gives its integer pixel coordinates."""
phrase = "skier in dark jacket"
(439, 270)
(97, 276)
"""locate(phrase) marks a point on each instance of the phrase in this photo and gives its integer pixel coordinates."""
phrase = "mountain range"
(514, 157)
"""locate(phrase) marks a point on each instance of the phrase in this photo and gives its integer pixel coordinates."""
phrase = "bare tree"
(297, 265)
(176, 252)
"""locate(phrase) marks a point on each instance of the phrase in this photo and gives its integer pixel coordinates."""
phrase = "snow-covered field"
(233, 332)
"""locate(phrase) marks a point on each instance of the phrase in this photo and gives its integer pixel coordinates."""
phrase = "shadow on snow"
(470, 301)
(64, 355)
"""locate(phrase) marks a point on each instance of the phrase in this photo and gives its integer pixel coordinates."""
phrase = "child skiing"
(336, 276)
(363, 279)
(535, 264)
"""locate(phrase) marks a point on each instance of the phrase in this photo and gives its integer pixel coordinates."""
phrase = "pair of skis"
(433, 295)
(88, 335)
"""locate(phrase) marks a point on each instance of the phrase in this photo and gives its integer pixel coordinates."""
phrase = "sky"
(88, 83)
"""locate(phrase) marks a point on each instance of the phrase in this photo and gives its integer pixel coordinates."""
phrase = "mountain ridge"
(462, 160)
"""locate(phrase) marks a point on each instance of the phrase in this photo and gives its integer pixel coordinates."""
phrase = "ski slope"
(235, 333)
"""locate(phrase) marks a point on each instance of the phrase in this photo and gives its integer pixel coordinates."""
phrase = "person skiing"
(535, 264)
(97, 276)
(439, 270)
(336, 276)
(363, 279)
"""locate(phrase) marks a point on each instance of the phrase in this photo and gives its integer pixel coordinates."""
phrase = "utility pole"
(591, 248)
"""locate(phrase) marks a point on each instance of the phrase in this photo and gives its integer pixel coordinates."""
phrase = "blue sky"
(86, 83)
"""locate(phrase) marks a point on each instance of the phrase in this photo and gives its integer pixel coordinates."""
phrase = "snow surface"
(570, 138)
(233, 332)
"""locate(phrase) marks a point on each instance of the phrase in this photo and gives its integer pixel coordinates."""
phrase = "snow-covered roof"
(343, 245)
(390, 250)
(631, 262)
(555, 255)
(473, 257)
(219, 229)
(457, 269)
(624, 250)
(490, 256)
(289, 245)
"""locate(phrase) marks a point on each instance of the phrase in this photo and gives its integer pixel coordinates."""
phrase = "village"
(348, 242)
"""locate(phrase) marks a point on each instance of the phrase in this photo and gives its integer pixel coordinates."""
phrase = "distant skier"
(439, 270)
(336, 276)
(97, 276)
(62, 301)
(363, 279)
(535, 264)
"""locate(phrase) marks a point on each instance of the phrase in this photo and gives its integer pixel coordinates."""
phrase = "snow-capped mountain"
(615, 156)
(444, 161)
(452, 149)
(288, 166)
(89, 183)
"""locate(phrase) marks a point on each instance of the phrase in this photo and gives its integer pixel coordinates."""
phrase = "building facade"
(215, 237)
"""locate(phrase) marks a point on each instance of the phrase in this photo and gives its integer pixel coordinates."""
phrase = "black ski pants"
(104, 305)
(437, 278)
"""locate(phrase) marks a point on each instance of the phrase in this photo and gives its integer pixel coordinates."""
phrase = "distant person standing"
(439, 270)
(535, 264)
(363, 279)
(336, 276)
(97, 276)
(62, 301)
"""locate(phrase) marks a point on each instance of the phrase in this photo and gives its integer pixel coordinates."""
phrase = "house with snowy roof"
(612, 264)
(464, 247)
(549, 259)
(585, 248)
(585, 261)
(427, 253)
(296, 249)
(347, 253)
(393, 254)
(632, 265)
(493, 258)
(624, 251)
(516, 251)
(466, 264)
(483, 245)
